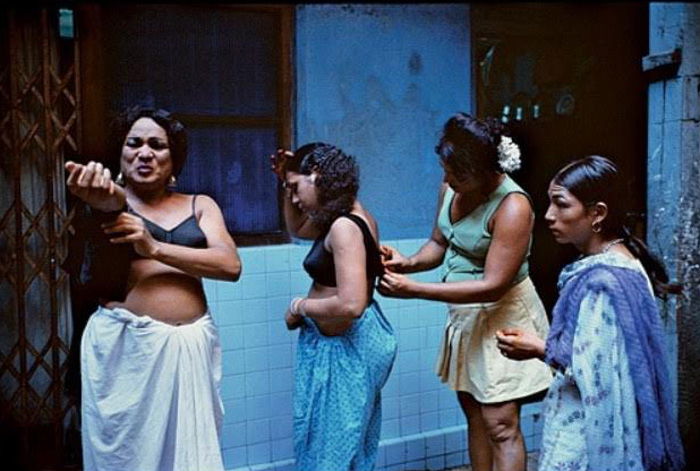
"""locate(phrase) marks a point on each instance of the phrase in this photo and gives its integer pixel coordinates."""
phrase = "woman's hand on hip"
(93, 184)
(293, 321)
(132, 229)
(518, 344)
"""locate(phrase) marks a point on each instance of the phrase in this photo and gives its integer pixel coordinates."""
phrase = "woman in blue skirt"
(346, 346)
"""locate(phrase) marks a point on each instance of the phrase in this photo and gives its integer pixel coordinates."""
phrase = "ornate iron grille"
(39, 123)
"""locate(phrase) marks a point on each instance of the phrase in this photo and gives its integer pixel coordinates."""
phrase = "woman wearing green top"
(482, 236)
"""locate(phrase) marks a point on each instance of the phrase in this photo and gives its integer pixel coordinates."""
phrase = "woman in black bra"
(346, 346)
(150, 355)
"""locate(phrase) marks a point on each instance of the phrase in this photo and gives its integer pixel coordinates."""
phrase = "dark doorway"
(567, 78)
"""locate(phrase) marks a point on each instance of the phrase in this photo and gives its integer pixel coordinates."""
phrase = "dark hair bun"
(470, 145)
(495, 128)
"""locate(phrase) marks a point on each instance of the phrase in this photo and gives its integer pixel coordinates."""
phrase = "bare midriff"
(163, 293)
(330, 326)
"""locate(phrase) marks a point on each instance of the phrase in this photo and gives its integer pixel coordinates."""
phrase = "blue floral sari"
(609, 407)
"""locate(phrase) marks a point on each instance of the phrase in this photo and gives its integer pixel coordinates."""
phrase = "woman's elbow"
(352, 309)
(494, 293)
(232, 271)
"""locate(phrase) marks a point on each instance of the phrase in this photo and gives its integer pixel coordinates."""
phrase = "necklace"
(609, 245)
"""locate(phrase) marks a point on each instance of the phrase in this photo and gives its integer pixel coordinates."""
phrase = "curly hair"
(337, 183)
(174, 129)
(293, 163)
(469, 145)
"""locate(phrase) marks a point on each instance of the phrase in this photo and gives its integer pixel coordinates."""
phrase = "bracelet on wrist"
(294, 306)
(300, 307)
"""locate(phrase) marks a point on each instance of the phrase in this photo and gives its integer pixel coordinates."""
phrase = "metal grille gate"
(39, 124)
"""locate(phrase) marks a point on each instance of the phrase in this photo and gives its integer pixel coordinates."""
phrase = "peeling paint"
(674, 185)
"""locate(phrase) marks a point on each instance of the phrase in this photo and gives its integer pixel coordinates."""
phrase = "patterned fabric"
(469, 359)
(611, 386)
(150, 394)
(337, 400)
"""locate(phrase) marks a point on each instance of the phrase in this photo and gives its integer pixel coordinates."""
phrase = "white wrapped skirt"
(150, 394)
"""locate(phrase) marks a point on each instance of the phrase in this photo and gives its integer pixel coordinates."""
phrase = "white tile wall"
(422, 425)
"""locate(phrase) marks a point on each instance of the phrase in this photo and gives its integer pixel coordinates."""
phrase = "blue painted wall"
(673, 200)
(379, 81)
(672, 197)
(664, 121)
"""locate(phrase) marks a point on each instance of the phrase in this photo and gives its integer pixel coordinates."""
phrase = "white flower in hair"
(508, 154)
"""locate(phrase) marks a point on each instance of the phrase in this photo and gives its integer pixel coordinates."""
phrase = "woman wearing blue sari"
(346, 346)
(610, 406)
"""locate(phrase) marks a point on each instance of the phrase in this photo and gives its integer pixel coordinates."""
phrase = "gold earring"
(172, 181)
(120, 179)
(596, 226)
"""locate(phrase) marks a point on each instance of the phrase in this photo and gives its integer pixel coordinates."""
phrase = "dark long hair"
(595, 179)
(337, 183)
(174, 129)
(469, 145)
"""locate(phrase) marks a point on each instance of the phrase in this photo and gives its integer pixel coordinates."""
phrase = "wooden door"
(567, 78)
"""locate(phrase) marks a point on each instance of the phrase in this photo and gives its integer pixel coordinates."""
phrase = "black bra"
(187, 233)
(319, 261)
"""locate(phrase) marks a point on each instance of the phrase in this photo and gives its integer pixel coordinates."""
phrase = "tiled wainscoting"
(422, 425)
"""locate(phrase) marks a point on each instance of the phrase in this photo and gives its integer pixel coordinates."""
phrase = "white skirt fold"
(150, 394)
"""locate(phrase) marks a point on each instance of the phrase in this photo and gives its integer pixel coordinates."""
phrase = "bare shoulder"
(514, 205)
(343, 233)
(203, 199)
(514, 214)
(202, 202)
(342, 225)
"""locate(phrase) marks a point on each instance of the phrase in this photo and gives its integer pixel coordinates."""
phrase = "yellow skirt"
(469, 359)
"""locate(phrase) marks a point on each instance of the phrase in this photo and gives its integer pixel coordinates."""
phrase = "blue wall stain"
(379, 81)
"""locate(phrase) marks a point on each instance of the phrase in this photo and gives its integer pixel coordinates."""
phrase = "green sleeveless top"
(469, 238)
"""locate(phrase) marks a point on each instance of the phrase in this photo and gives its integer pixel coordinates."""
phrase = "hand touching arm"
(218, 260)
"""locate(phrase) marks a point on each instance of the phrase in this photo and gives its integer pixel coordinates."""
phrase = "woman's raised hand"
(93, 184)
(278, 162)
